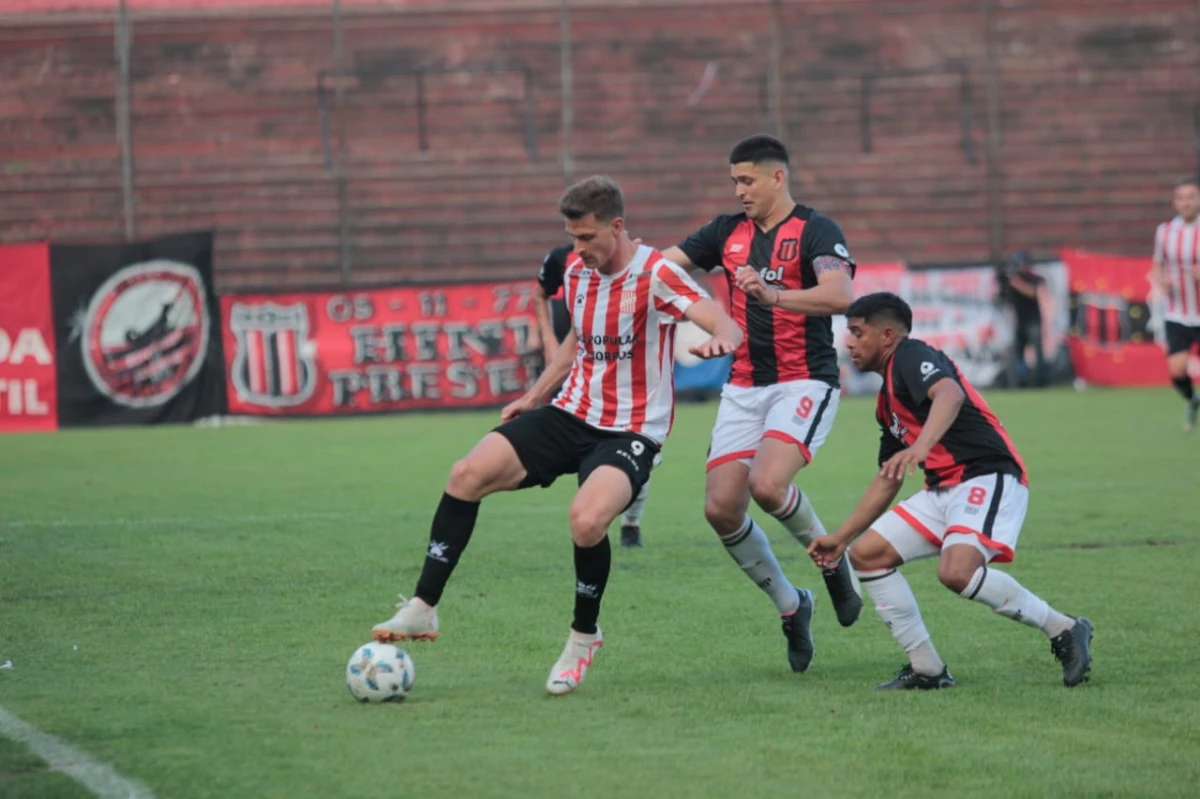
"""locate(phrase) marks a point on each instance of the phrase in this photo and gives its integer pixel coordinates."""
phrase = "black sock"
(1184, 386)
(591, 575)
(452, 527)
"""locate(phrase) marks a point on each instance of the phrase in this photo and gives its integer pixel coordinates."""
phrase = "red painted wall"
(1096, 115)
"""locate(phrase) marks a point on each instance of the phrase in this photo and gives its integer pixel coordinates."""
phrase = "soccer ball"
(380, 673)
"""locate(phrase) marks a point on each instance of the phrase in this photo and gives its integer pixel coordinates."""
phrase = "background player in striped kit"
(1177, 277)
(606, 424)
(970, 513)
(554, 325)
(788, 270)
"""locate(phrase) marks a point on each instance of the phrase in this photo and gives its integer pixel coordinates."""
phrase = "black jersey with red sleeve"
(550, 276)
(976, 443)
(779, 345)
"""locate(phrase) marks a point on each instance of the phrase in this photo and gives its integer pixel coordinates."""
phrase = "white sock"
(798, 516)
(1003, 594)
(897, 607)
(633, 514)
(751, 550)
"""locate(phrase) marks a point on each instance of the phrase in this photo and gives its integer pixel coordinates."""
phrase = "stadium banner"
(28, 380)
(954, 309)
(1112, 328)
(135, 332)
(391, 349)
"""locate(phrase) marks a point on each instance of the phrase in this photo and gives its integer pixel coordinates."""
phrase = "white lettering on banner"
(441, 346)
(20, 398)
(382, 384)
(28, 344)
(419, 341)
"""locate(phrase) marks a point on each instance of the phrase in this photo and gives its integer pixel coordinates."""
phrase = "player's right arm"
(678, 256)
(827, 549)
(704, 249)
(551, 378)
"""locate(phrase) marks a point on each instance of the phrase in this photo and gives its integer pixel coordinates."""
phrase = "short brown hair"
(599, 195)
(1187, 181)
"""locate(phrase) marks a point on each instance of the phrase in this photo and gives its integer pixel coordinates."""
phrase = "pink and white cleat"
(573, 664)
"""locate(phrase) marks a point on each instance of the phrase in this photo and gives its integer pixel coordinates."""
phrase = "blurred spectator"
(1023, 290)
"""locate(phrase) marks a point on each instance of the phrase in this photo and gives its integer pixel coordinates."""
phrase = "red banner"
(411, 348)
(28, 382)
(1111, 341)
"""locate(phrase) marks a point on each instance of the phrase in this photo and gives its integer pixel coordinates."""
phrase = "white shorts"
(986, 512)
(800, 412)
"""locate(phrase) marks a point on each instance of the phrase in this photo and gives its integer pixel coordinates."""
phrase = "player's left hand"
(715, 347)
(517, 407)
(903, 464)
(750, 281)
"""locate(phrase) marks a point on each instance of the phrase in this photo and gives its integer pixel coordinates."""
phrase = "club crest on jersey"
(896, 429)
(274, 364)
(788, 250)
(628, 301)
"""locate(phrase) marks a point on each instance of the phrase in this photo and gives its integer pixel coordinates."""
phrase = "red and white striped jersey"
(623, 376)
(1177, 248)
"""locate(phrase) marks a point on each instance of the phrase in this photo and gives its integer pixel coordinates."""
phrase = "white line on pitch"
(97, 777)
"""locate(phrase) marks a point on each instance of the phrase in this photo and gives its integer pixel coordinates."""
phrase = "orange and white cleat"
(414, 621)
(573, 664)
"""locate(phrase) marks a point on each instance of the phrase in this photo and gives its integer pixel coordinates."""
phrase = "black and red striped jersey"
(976, 443)
(779, 345)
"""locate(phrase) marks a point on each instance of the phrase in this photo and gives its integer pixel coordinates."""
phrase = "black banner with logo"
(138, 332)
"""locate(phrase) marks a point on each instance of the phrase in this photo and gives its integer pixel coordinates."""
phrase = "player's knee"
(954, 576)
(865, 561)
(871, 554)
(467, 480)
(768, 492)
(721, 516)
(587, 525)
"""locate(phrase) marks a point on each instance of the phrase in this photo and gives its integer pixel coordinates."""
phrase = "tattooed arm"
(832, 295)
(824, 245)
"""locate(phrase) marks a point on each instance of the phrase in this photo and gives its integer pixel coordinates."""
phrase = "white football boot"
(573, 664)
(414, 621)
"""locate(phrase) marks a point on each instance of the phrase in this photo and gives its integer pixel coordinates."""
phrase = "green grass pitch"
(180, 603)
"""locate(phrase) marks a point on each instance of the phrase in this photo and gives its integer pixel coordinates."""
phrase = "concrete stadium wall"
(941, 131)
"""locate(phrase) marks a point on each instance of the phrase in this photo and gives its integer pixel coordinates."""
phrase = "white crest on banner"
(144, 334)
(274, 364)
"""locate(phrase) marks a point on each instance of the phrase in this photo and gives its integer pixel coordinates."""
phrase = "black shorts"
(560, 318)
(551, 442)
(1181, 338)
